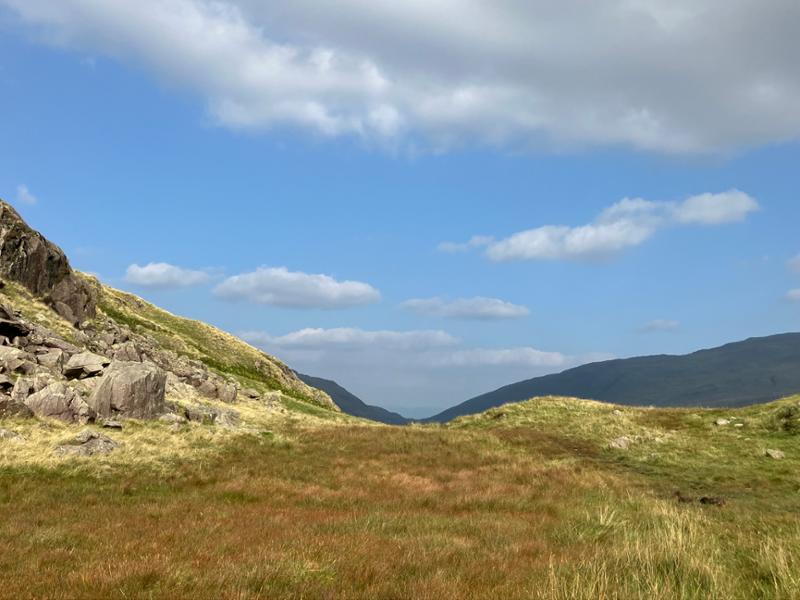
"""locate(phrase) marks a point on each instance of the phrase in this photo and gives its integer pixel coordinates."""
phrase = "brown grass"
(355, 511)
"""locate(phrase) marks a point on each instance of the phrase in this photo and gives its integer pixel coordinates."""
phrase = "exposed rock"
(172, 419)
(9, 353)
(621, 443)
(127, 352)
(208, 388)
(227, 392)
(53, 358)
(722, 422)
(130, 389)
(10, 436)
(6, 385)
(88, 443)
(11, 408)
(85, 364)
(29, 259)
(251, 393)
(774, 454)
(200, 414)
(59, 401)
(55, 342)
(22, 389)
(112, 425)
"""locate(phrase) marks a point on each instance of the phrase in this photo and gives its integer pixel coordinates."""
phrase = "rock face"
(130, 389)
(59, 401)
(29, 259)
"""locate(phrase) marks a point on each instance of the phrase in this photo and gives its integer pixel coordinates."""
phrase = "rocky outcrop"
(130, 389)
(60, 401)
(31, 260)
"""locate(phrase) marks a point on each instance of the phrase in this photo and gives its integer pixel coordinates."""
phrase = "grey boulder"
(85, 364)
(130, 389)
(59, 401)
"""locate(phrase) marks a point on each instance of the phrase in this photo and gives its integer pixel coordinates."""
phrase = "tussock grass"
(530, 504)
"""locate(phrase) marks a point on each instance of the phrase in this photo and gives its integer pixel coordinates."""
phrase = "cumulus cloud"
(295, 289)
(628, 223)
(659, 326)
(793, 295)
(479, 308)
(25, 196)
(164, 276)
(675, 76)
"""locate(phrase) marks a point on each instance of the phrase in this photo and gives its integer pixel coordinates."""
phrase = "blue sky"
(130, 153)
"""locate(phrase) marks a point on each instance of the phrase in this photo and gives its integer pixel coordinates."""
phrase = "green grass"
(221, 352)
(525, 501)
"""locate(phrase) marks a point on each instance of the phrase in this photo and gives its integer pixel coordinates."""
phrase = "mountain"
(351, 404)
(754, 371)
(76, 350)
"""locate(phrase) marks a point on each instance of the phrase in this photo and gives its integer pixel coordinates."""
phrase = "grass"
(525, 501)
(218, 350)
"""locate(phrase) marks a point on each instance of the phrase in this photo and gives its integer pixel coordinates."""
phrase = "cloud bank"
(669, 76)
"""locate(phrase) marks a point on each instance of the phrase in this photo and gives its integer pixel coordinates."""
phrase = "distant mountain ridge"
(352, 405)
(753, 371)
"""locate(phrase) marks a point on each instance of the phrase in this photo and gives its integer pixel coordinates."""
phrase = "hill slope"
(753, 371)
(351, 404)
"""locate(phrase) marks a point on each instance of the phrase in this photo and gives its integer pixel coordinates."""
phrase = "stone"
(251, 393)
(130, 389)
(621, 443)
(774, 454)
(54, 342)
(208, 388)
(127, 352)
(6, 385)
(227, 392)
(172, 419)
(112, 425)
(40, 266)
(10, 408)
(5, 434)
(88, 443)
(722, 422)
(85, 364)
(22, 389)
(53, 358)
(59, 401)
(9, 353)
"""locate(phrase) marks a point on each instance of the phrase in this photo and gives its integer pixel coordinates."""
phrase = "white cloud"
(660, 325)
(793, 295)
(478, 308)
(294, 289)
(716, 209)
(794, 264)
(496, 357)
(352, 338)
(25, 196)
(164, 276)
(671, 76)
(475, 241)
(628, 223)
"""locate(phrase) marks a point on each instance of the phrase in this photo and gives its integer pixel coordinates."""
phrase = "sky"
(424, 200)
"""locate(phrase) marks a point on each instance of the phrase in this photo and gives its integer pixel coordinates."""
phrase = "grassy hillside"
(749, 372)
(220, 351)
(352, 404)
(525, 501)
